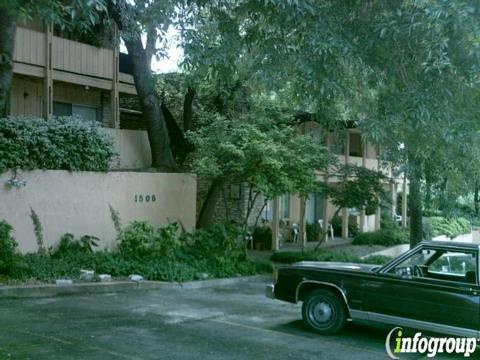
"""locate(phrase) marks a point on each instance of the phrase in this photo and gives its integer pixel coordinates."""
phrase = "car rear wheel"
(324, 312)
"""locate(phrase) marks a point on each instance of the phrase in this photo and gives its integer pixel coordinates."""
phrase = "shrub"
(337, 227)
(219, 241)
(63, 143)
(68, 245)
(141, 240)
(8, 249)
(289, 257)
(312, 231)
(385, 237)
(451, 227)
(263, 235)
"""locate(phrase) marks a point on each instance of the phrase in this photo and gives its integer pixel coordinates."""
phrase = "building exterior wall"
(78, 203)
(132, 147)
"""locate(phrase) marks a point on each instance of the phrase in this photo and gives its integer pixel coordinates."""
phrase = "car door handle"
(468, 290)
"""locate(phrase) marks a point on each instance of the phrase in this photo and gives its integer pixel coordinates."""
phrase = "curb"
(51, 290)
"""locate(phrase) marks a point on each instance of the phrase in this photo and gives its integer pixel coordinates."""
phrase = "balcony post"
(48, 79)
(345, 223)
(404, 201)
(275, 223)
(114, 100)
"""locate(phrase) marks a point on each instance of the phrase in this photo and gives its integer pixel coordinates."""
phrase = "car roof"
(451, 244)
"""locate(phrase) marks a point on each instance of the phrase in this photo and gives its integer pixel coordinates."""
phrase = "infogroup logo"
(431, 346)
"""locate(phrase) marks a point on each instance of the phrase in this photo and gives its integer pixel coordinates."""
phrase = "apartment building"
(57, 73)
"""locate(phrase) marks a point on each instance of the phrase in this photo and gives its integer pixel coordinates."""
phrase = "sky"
(174, 54)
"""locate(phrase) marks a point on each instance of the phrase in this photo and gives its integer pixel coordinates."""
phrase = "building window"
(314, 208)
(284, 208)
(82, 111)
(355, 145)
(284, 204)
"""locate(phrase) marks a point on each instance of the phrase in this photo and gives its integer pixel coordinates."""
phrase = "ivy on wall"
(63, 143)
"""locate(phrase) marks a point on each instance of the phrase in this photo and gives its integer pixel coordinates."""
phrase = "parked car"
(432, 287)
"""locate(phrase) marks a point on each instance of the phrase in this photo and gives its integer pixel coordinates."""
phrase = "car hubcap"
(321, 313)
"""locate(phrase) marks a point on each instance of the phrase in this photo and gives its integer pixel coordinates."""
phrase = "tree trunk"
(205, 218)
(150, 104)
(415, 202)
(188, 110)
(476, 198)
(162, 157)
(7, 46)
(180, 146)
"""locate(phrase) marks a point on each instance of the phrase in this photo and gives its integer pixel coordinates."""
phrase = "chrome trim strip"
(416, 324)
(344, 296)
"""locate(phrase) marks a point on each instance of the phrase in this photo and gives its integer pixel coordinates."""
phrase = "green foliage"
(451, 227)
(38, 231)
(63, 143)
(140, 239)
(162, 255)
(336, 223)
(312, 231)
(69, 15)
(68, 245)
(262, 235)
(385, 237)
(117, 222)
(8, 249)
(260, 147)
(359, 187)
(289, 257)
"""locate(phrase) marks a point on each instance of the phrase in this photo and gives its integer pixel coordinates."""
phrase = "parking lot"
(228, 322)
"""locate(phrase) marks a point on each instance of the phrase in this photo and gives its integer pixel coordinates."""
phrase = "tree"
(79, 15)
(404, 71)
(150, 19)
(261, 148)
(357, 187)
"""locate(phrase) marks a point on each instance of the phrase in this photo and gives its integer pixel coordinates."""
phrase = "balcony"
(72, 61)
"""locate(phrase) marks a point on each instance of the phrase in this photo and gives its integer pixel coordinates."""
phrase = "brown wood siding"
(29, 47)
(76, 95)
(80, 58)
(26, 97)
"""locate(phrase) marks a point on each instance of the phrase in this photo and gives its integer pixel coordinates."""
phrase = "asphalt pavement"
(225, 322)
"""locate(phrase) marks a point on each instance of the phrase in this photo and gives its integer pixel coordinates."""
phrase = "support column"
(378, 214)
(404, 202)
(114, 96)
(48, 79)
(345, 223)
(347, 146)
(275, 223)
(362, 220)
(303, 222)
(393, 197)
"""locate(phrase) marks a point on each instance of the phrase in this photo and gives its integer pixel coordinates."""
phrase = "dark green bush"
(156, 254)
(385, 237)
(337, 227)
(262, 235)
(69, 245)
(63, 143)
(451, 227)
(312, 231)
(8, 249)
(289, 257)
(140, 239)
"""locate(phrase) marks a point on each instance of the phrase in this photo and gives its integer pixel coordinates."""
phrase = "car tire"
(323, 312)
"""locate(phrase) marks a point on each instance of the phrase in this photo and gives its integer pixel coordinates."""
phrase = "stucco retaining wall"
(78, 202)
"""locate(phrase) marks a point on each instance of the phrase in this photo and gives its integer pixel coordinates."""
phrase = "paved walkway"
(257, 254)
